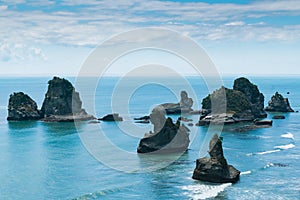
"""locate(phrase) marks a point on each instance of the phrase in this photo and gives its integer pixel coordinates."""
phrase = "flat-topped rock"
(111, 117)
(215, 169)
(167, 136)
(22, 107)
(279, 104)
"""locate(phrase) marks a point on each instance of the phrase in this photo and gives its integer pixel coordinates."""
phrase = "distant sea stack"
(242, 103)
(215, 169)
(62, 102)
(184, 106)
(21, 107)
(279, 104)
(167, 136)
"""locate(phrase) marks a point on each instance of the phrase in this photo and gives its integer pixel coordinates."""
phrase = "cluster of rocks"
(166, 137)
(61, 104)
(243, 103)
(184, 106)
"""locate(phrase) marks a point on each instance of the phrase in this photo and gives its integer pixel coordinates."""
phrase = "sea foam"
(204, 191)
(288, 135)
(285, 147)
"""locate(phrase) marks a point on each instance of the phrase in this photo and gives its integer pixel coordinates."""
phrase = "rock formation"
(226, 106)
(111, 117)
(167, 136)
(22, 107)
(215, 169)
(62, 102)
(184, 106)
(279, 104)
(256, 99)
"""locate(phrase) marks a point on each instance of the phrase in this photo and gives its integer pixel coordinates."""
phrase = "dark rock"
(245, 127)
(142, 118)
(243, 103)
(184, 119)
(252, 93)
(62, 102)
(143, 121)
(278, 117)
(111, 117)
(94, 122)
(279, 104)
(263, 122)
(184, 106)
(167, 137)
(215, 169)
(22, 107)
(230, 101)
(190, 124)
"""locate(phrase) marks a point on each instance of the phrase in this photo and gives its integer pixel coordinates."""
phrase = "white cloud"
(93, 21)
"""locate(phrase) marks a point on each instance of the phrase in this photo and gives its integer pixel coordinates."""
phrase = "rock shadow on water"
(19, 125)
(62, 128)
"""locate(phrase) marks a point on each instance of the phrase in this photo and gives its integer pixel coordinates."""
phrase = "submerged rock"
(278, 117)
(62, 102)
(167, 136)
(215, 169)
(279, 104)
(111, 117)
(184, 106)
(22, 107)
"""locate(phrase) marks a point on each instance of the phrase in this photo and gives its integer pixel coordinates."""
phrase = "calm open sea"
(41, 160)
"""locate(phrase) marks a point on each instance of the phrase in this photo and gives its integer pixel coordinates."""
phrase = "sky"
(242, 37)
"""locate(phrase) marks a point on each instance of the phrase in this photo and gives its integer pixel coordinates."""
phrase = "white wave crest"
(288, 135)
(268, 152)
(204, 191)
(245, 173)
(285, 147)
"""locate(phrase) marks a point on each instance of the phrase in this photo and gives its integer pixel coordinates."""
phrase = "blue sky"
(242, 37)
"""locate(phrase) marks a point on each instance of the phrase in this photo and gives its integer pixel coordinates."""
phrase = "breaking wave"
(288, 135)
(204, 191)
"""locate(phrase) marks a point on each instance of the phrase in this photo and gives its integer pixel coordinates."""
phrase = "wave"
(288, 135)
(268, 152)
(204, 191)
(285, 147)
(246, 172)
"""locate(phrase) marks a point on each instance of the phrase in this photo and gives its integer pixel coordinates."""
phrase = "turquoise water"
(41, 160)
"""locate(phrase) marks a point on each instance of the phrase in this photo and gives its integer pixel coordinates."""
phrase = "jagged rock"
(22, 107)
(184, 106)
(279, 104)
(228, 101)
(215, 169)
(111, 117)
(243, 103)
(62, 102)
(167, 136)
(252, 93)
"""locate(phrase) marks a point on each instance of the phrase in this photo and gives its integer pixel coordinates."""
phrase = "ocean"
(42, 160)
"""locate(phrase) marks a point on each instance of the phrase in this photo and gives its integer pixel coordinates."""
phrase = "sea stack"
(279, 104)
(215, 169)
(21, 107)
(243, 103)
(184, 106)
(167, 136)
(62, 102)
